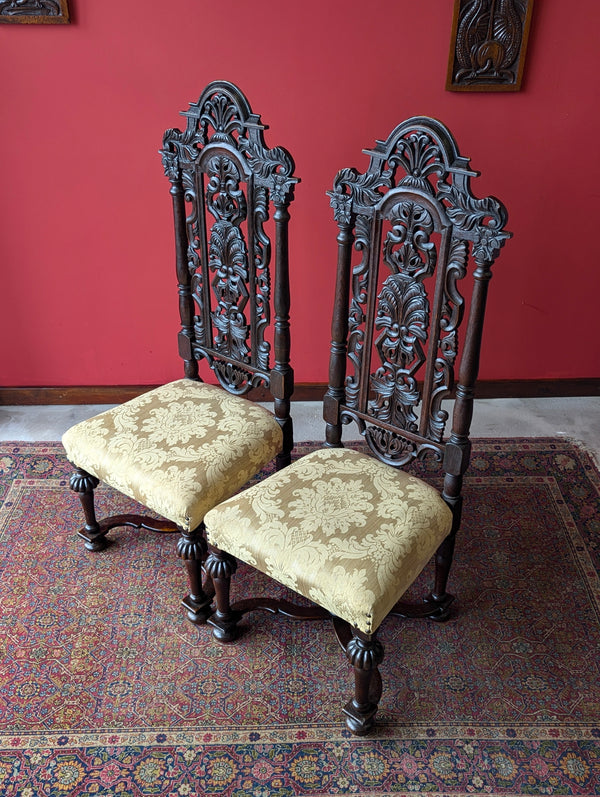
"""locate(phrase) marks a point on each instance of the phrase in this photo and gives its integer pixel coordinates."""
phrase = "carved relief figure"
(489, 43)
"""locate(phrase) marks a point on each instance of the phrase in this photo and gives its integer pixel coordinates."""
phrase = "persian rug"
(106, 689)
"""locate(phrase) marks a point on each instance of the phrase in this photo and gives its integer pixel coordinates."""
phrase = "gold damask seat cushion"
(178, 449)
(338, 527)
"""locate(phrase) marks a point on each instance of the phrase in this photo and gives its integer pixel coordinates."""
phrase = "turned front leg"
(365, 653)
(84, 484)
(221, 566)
(192, 549)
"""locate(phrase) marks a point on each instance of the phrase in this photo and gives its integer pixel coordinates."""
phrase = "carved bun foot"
(94, 533)
(365, 654)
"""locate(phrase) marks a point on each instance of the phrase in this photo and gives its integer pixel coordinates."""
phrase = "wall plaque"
(489, 40)
(32, 12)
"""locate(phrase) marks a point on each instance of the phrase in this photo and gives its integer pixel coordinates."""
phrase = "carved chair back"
(230, 197)
(408, 228)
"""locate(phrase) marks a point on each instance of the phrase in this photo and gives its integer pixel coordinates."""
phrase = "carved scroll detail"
(390, 447)
(403, 316)
(407, 247)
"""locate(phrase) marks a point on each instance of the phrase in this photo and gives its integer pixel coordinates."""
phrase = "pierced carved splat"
(225, 180)
(412, 223)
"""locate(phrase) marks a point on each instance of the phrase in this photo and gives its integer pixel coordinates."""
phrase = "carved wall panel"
(47, 12)
(488, 44)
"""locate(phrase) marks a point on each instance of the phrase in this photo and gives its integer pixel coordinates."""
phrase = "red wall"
(88, 287)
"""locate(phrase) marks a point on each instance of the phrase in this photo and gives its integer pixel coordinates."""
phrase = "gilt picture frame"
(488, 45)
(34, 12)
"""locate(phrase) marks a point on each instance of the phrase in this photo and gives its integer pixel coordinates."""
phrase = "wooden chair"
(184, 447)
(351, 531)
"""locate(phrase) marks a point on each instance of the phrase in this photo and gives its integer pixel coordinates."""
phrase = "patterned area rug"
(105, 688)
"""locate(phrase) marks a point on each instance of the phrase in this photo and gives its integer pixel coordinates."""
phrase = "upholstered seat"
(178, 449)
(340, 528)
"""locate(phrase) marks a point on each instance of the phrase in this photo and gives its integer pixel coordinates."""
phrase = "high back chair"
(351, 530)
(184, 447)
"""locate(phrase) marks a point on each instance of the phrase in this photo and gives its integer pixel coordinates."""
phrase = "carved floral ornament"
(46, 12)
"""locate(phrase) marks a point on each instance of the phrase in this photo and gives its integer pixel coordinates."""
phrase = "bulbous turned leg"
(221, 566)
(84, 484)
(365, 653)
(192, 549)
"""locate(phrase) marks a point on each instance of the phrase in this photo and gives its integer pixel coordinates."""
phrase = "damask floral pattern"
(339, 527)
(179, 449)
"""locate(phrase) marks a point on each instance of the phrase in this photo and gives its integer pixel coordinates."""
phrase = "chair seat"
(338, 527)
(178, 449)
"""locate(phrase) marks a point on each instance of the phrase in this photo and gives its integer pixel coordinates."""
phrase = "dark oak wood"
(403, 341)
(230, 196)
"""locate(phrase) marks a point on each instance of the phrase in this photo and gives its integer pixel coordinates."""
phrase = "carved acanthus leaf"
(178, 150)
(267, 162)
(220, 113)
(363, 188)
(403, 317)
(419, 156)
(228, 259)
(390, 447)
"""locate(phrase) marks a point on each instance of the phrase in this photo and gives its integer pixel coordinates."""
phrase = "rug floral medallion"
(106, 689)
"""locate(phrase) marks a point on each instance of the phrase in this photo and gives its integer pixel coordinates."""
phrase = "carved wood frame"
(51, 12)
(488, 33)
